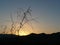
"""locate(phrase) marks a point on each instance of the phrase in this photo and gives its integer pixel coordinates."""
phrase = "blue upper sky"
(47, 11)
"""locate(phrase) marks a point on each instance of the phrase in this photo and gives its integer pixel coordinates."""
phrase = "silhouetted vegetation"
(32, 39)
(23, 17)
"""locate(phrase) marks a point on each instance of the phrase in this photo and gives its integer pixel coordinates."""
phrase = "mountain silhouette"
(32, 39)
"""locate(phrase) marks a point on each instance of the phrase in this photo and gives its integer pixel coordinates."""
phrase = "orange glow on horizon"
(25, 30)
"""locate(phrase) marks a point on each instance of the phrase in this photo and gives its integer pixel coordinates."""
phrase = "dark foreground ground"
(32, 39)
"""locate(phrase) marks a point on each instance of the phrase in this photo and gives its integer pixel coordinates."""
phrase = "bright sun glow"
(22, 33)
(26, 30)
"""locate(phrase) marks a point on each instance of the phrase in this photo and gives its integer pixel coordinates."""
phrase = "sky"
(47, 11)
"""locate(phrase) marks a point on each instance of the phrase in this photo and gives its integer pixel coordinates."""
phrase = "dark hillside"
(32, 39)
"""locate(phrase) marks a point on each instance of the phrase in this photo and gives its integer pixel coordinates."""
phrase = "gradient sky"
(47, 11)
